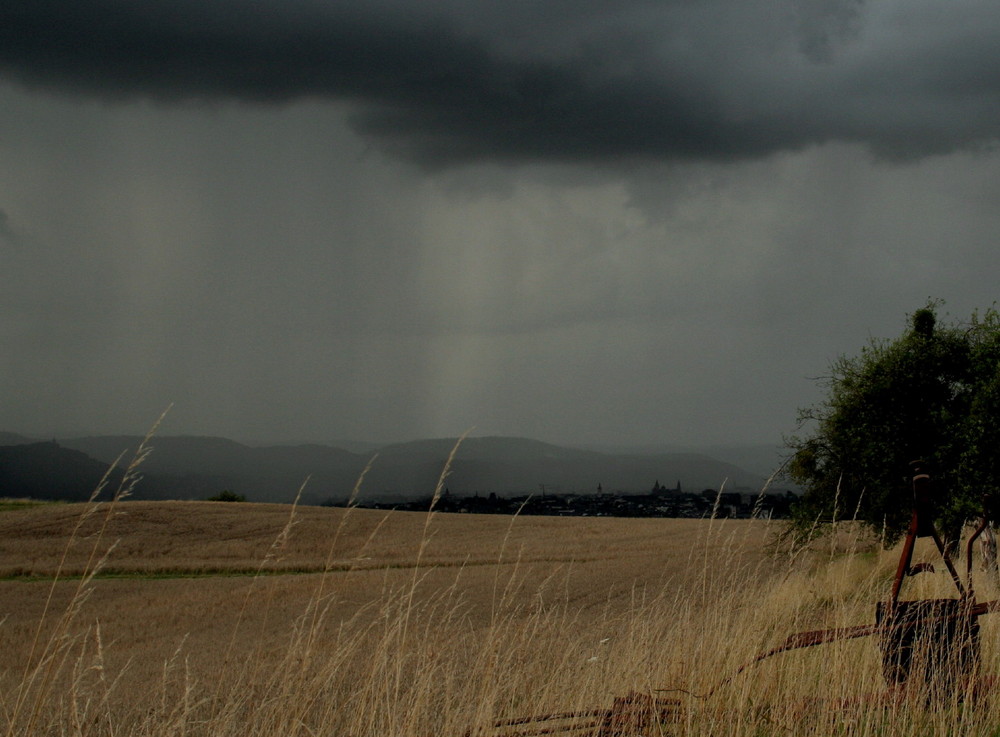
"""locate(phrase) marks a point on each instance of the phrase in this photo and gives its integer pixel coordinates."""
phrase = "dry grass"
(404, 624)
(590, 565)
(161, 538)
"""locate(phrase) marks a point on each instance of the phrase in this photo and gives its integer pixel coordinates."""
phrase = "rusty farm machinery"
(929, 647)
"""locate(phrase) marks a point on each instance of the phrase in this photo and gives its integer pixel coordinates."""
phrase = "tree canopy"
(932, 394)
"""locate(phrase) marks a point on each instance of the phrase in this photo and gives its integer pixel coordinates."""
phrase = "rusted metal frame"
(551, 717)
(802, 640)
(590, 719)
(968, 550)
(907, 555)
(922, 526)
(593, 725)
(819, 637)
(637, 711)
(634, 711)
(962, 592)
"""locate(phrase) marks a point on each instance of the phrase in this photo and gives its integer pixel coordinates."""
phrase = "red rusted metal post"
(935, 640)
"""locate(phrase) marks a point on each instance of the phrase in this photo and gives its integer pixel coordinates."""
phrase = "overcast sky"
(597, 221)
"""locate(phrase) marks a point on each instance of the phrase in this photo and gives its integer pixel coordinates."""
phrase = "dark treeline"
(660, 503)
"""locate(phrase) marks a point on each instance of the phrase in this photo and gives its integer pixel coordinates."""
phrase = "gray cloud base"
(523, 81)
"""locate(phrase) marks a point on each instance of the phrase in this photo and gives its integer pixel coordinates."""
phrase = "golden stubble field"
(246, 619)
(184, 571)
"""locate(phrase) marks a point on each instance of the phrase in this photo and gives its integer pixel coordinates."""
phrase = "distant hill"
(507, 465)
(760, 459)
(192, 467)
(363, 447)
(49, 471)
(197, 467)
(10, 438)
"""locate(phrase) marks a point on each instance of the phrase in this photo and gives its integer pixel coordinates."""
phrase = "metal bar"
(947, 561)
(968, 550)
(551, 730)
(552, 717)
(905, 558)
(812, 638)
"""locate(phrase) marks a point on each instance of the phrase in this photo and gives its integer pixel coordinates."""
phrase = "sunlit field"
(244, 619)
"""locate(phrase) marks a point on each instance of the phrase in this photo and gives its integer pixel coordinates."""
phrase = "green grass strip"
(178, 573)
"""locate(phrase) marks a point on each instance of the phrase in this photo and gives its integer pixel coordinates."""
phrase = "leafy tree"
(931, 394)
(227, 496)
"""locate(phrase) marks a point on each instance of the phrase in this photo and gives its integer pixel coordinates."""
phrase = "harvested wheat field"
(189, 567)
(244, 619)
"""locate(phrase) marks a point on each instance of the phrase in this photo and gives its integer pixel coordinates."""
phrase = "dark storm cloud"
(453, 81)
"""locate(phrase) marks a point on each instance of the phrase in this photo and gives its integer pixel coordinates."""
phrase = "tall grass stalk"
(34, 690)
